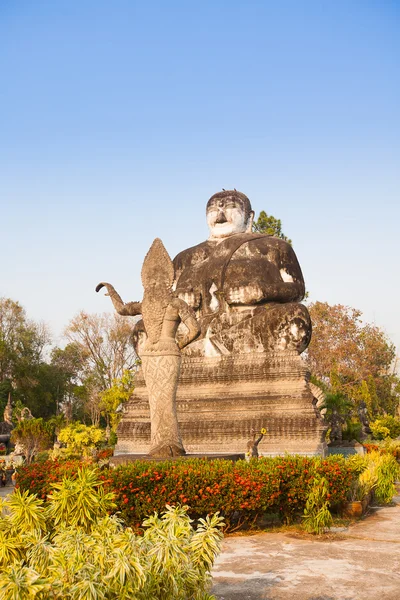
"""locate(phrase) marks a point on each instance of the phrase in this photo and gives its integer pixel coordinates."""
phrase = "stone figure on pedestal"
(162, 312)
(241, 370)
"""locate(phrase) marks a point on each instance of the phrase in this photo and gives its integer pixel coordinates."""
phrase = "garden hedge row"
(242, 491)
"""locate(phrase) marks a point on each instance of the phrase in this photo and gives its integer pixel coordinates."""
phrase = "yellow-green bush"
(81, 439)
(377, 472)
(385, 427)
(69, 547)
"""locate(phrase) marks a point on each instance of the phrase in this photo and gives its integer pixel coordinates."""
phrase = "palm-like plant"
(337, 409)
(71, 548)
(79, 502)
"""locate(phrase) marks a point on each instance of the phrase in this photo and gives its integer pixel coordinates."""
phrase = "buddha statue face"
(228, 213)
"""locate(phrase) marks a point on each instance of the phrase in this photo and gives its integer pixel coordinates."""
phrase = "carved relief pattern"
(161, 374)
(157, 278)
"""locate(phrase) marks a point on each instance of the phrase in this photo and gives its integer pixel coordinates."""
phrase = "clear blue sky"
(118, 120)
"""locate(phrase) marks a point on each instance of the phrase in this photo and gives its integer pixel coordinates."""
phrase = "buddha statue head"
(229, 212)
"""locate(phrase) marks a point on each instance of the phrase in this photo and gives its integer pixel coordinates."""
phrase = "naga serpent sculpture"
(162, 311)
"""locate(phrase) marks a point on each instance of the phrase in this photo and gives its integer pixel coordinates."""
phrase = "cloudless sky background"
(118, 120)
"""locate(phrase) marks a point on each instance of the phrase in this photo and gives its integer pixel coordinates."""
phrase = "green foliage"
(242, 492)
(119, 393)
(385, 427)
(105, 346)
(81, 439)
(352, 431)
(23, 370)
(387, 471)
(353, 358)
(270, 225)
(368, 480)
(79, 501)
(336, 404)
(68, 364)
(34, 435)
(47, 552)
(317, 516)
(377, 471)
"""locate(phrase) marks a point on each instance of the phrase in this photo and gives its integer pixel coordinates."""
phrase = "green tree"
(71, 374)
(112, 398)
(106, 348)
(23, 369)
(337, 409)
(34, 435)
(270, 225)
(353, 358)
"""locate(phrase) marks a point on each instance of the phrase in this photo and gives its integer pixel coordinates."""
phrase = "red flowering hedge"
(38, 477)
(371, 447)
(241, 491)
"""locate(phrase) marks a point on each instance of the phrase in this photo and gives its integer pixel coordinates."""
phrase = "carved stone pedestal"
(221, 399)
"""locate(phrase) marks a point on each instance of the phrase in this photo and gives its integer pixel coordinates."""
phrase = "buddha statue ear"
(249, 224)
(157, 266)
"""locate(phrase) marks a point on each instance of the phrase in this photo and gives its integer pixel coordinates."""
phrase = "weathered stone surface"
(241, 370)
(221, 400)
(162, 312)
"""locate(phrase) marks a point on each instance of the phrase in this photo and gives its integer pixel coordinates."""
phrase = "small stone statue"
(363, 416)
(252, 445)
(337, 421)
(162, 311)
(26, 414)
(8, 411)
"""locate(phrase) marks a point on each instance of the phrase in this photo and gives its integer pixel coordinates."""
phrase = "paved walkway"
(5, 491)
(359, 563)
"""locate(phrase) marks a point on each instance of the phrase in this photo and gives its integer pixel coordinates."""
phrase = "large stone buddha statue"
(243, 372)
(244, 287)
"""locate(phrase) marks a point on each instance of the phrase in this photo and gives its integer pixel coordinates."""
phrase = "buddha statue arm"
(257, 293)
(272, 274)
(188, 318)
(130, 309)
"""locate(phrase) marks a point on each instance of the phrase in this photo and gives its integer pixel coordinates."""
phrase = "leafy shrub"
(38, 478)
(297, 475)
(386, 446)
(352, 431)
(35, 435)
(81, 439)
(377, 472)
(385, 427)
(69, 547)
(370, 447)
(316, 513)
(206, 486)
(387, 472)
(391, 447)
(242, 492)
(104, 454)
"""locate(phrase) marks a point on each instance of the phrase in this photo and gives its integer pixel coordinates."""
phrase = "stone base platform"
(221, 399)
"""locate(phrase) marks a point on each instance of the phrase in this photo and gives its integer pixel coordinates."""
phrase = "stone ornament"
(162, 311)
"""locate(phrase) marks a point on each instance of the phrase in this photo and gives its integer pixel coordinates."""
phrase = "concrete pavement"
(5, 491)
(360, 563)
